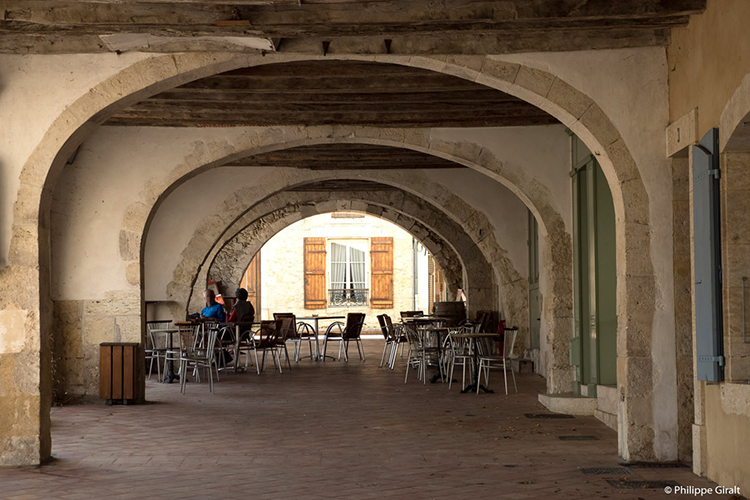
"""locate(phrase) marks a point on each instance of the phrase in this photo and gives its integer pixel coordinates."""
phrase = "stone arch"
(558, 247)
(455, 219)
(734, 138)
(734, 127)
(455, 251)
(232, 260)
(636, 283)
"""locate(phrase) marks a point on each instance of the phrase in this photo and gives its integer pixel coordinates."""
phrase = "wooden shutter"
(381, 267)
(315, 273)
(707, 256)
(251, 283)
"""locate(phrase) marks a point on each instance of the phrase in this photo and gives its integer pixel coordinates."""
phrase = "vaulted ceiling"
(339, 26)
(332, 92)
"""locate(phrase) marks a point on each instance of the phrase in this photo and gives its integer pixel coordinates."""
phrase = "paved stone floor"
(330, 430)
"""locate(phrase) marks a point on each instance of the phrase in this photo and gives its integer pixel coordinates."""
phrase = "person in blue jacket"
(213, 309)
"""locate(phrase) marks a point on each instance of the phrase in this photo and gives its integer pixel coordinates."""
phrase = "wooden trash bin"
(117, 372)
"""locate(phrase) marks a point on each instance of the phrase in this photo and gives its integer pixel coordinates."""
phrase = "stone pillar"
(682, 304)
(735, 230)
(24, 368)
(557, 262)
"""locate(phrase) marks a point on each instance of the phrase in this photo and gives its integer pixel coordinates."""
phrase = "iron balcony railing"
(348, 297)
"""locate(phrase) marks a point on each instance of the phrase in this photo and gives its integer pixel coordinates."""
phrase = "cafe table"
(431, 325)
(238, 327)
(440, 332)
(315, 320)
(170, 374)
(472, 338)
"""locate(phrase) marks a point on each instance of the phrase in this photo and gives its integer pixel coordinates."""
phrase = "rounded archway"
(540, 88)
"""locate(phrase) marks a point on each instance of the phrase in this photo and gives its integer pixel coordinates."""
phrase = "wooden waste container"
(117, 372)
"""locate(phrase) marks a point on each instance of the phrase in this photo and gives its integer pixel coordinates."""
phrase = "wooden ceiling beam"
(336, 30)
(345, 26)
(202, 97)
(64, 42)
(417, 14)
(345, 157)
(422, 122)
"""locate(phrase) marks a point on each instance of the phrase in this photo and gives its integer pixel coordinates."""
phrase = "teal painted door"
(594, 348)
(606, 282)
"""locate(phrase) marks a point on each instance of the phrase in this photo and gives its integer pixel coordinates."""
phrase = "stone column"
(557, 262)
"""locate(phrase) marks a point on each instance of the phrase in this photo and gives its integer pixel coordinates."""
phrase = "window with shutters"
(341, 272)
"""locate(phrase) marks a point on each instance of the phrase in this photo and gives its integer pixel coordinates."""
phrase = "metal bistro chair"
(225, 339)
(495, 354)
(396, 332)
(288, 333)
(306, 333)
(267, 341)
(198, 352)
(460, 354)
(157, 346)
(344, 333)
(387, 337)
(415, 356)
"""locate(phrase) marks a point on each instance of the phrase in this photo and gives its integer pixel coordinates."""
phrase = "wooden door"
(251, 283)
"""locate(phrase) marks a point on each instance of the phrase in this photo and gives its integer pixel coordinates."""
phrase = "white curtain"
(357, 266)
(338, 266)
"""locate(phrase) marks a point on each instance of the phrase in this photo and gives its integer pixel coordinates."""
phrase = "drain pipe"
(415, 274)
(744, 339)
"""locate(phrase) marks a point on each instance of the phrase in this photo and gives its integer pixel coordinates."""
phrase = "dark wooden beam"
(348, 26)
(345, 157)
(343, 185)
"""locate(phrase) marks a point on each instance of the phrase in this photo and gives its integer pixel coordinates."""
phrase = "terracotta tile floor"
(330, 430)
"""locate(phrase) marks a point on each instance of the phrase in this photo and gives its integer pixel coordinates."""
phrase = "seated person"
(242, 312)
(213, 309)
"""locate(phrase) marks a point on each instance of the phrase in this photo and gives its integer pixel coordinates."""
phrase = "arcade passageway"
(350, 431)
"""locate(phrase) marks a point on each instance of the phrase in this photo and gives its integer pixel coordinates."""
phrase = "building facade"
(136, 169)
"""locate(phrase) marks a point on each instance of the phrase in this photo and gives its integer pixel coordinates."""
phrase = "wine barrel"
(453, 312)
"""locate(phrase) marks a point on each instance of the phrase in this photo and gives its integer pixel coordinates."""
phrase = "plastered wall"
(707, 61)
(34, 91)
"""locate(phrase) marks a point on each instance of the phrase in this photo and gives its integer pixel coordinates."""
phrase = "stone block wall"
(79, 326)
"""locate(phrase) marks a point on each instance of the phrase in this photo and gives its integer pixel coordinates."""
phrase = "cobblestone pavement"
(330, 430)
